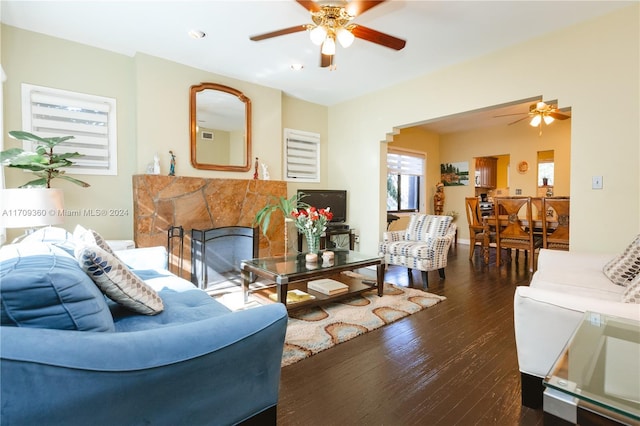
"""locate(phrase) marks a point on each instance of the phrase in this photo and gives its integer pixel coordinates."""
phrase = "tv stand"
(337, 237)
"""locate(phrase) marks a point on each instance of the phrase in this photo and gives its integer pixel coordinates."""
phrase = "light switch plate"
(596, 182)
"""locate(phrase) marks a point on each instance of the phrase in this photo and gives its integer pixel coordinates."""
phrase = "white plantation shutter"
(405, 163)
(302, 156)
(91, 119)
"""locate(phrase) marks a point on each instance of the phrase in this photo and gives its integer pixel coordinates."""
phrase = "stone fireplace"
(160, 202)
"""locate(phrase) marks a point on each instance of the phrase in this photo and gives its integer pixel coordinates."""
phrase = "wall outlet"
(356, 238)
(596, 182)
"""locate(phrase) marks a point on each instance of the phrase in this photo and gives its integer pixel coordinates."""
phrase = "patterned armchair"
(424, 245)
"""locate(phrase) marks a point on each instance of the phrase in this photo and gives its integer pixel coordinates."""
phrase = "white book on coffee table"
(327, 286)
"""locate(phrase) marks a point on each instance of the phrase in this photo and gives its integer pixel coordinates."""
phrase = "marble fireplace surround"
(160, 202)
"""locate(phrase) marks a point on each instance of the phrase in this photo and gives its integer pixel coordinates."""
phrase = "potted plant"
(44, 163)
(287, 206)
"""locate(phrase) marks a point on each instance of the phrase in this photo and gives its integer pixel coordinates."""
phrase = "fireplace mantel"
(160, 202)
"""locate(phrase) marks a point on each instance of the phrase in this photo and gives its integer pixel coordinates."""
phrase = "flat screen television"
(322, 198)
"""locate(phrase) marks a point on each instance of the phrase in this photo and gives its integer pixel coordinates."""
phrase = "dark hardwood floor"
(452, 364)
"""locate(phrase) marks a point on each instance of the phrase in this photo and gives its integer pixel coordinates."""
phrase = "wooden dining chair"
(513, 227)
(555, 223)
(537, 208)
(476, 227)
(475, 224)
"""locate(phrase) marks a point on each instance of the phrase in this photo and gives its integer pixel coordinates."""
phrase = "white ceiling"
(438, 34)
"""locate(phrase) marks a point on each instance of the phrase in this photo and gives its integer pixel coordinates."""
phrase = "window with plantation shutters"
(405, 171)
(91, 119)
(302, 156)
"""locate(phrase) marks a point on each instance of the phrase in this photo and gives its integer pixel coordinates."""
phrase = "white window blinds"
(405, 163)
(302, 156)
(90, 119)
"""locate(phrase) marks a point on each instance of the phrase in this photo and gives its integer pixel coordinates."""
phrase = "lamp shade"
(317, 35)
(535, 121)
(345, 37)
(329, 47)
(31, 207)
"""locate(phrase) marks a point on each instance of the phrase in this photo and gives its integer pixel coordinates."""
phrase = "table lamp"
(31, 208)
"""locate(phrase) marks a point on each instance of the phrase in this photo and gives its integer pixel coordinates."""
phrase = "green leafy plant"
(286, 205)
(44, 163)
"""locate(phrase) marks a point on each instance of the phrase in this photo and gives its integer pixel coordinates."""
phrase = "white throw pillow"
(89, 237)
(117, 281)
(632, 292)
(624, 268)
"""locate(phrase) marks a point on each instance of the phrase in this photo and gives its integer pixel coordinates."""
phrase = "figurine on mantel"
(265, 172)
(172, 164)
(255, 167)
(153, 168)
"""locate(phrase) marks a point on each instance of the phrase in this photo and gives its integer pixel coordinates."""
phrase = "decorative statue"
(265, 171)
(438, 199)
(156, 164)
(255, 173)
(172, 165)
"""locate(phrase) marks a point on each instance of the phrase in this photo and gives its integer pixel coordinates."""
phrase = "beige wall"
(152, 97)
(592, 67)
(33, 58)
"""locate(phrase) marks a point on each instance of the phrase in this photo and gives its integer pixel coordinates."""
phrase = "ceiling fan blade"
(378, 37)
(558, 115)
(508, 115)
(355, 8)
(311, 6)
(519, 120)
(278, 33)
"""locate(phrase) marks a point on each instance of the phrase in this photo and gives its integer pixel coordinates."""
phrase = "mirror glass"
(220, 128)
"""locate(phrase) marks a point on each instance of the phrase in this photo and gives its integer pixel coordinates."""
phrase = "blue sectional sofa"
(71, 356)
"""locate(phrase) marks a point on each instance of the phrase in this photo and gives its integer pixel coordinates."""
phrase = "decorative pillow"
(117, 281)
(423, 226)
(623, 269)
(632, 292)
(89, 237)
(43, 287)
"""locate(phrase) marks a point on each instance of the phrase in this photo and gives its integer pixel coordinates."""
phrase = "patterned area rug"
(315, 329)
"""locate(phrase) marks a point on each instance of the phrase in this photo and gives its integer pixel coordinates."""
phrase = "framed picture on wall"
(455, 174)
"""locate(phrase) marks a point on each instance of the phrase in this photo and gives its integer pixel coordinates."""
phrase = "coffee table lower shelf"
(356, 286)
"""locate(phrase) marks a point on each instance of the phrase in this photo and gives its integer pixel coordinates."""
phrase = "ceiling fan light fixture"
(535, 121)
(329, 46)
(345, 37)
(548, 119)
(318, 35)
(197, 34)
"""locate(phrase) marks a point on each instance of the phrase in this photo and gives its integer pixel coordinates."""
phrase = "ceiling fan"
(331, 22)
(540, 113)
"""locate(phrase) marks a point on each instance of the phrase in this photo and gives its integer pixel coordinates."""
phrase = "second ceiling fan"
(331, 23)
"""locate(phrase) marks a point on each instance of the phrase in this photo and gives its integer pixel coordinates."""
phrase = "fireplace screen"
(216, 254)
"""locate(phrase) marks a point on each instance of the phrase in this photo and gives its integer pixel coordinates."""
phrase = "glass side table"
(597, 375)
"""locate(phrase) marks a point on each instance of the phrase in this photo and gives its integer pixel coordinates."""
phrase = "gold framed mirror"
(220, 128)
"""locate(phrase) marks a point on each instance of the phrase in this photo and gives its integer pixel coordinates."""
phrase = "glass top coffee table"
(600, 367)
(290, 275)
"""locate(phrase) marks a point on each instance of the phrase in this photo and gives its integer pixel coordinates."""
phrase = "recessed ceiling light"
(297, 67)
(197, 34)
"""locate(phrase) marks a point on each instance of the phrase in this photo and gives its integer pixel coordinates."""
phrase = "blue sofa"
(194, 363)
